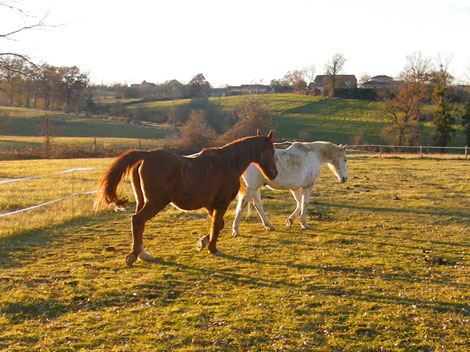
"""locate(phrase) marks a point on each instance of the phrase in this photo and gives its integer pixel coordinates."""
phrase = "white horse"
(298, 168)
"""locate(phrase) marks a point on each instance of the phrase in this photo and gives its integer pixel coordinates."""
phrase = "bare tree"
(309, 72)
(467, 72)
(404, 112)
(333, 68)
(418, 68)
(29, 22)
(442, 75)
(295, 79)
(365, 77)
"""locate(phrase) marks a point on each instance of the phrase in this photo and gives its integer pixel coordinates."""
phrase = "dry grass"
(385, 267)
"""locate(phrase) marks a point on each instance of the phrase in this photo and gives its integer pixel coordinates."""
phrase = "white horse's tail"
(242, 192)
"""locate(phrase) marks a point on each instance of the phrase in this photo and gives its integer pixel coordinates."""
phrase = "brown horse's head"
(266, 162)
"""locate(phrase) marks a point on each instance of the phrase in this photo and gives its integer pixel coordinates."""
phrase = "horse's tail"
(107, 190)
(242, 192)
(243, 187)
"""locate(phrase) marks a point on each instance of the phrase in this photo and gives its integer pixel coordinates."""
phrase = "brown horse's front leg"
(204, 240)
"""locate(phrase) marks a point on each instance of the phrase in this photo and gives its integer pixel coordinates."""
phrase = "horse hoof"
(235, 233)
(289, 222)
(203, 242)
(305, 226)
(270, 228)
(131, 259)
(217, 253)
(146, 257)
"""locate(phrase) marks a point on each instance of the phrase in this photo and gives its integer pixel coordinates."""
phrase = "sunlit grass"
(319, 118)
(384, 267)
(28, 122)
(50, 186)
(11, 143)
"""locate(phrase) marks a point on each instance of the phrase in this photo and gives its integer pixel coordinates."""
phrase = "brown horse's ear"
(258, 132)
(270, 135)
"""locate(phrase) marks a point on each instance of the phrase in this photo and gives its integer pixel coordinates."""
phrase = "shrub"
(251, 114)
(196, 134)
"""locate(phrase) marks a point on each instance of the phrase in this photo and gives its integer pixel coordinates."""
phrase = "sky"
(237, 42)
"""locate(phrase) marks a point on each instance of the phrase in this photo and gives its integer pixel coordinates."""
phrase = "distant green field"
(27, 122)
(11, 143)
(294, 117)
(318, 118)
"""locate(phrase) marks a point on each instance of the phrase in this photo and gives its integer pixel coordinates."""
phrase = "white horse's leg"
(259, 208)
(303, 212)
(297, 194)
(243, 201)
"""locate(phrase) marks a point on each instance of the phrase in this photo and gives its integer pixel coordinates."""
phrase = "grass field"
(294, 116)
(11, 143)
(385, 267)
(27, 122)
(319, 118)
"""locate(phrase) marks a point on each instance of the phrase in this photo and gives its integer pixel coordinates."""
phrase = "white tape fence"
(51, 201)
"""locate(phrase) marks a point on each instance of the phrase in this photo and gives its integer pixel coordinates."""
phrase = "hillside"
(294, 117)
(316, 118)
(27, 122)
(22, 128)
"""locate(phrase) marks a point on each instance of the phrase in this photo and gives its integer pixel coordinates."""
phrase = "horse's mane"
(328, 150)
(237, 151)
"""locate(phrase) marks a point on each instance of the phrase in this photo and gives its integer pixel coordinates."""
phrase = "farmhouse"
(144, 85)
(244, 89)
(383, 82)
(342, 81)
(248, 89)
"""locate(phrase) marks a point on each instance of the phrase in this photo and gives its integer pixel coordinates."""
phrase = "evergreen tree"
(443, 119)
(466, 122)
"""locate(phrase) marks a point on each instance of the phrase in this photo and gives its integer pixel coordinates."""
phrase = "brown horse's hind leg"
(137, 188)
(148, 211)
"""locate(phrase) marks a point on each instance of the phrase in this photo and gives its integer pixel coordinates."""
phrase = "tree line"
(426, 82)
(44, 86)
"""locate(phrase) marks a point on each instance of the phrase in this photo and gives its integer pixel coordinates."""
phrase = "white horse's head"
(339, 163)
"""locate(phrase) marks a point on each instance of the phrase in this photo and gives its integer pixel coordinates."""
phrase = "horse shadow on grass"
(22, 243)
(465, 216)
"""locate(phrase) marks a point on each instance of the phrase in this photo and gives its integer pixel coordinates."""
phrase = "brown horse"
(209, 180)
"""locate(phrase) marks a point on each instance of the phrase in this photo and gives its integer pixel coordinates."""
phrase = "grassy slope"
(27, 122)
(294, 116)
(365, 277)
(24, 125)
(318, 118)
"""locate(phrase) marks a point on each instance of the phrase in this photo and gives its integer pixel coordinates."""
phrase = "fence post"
(466, 152)
(380, 151)
(420, 151)
(140, 145)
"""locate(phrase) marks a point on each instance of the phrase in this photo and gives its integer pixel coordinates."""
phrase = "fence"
(72, 147)
(369, 148)
(383, 149)
(413, 149)
(71, 195)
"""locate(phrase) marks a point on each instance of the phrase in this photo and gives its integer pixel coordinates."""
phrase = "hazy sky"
(235, 42)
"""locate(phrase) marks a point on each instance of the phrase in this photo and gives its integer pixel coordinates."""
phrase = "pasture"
(319, 118)
(294, 116)
(385, 267)
(22, 128)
